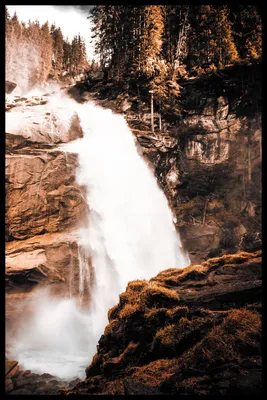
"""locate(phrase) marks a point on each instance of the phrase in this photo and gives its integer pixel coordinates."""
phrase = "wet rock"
(199, 240)
(47, 376)
(41, 194)
(10, 365)
(9, 386)
(13, 373)
(21, 391)
(133, 387)
(10, 86)
(40, 260)
(27, 372)
(53, 382)
(74, 382)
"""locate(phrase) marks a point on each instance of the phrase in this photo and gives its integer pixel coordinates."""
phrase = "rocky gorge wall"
(44, 204)
(208, 160)
(213, 179)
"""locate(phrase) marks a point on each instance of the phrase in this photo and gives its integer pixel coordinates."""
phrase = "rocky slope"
(188, 331)
(208, 161)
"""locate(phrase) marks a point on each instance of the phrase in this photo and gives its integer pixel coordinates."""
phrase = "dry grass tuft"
(113, 313)
(231, 259)
(239, 332)
(175, 313)
(128, 297)
(154, 313)
(194, 385)
(166, 336)
(154, 295)
(114, 388)
(124, 357)
(155, 372)
(194, 272)
(136, 286)
(110, 327)
(170, 335)
(129, 310)
(174, 276)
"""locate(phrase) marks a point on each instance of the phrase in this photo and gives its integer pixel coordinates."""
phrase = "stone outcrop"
(188, 331)
(40, 125)
(41, 193)
(41, 259)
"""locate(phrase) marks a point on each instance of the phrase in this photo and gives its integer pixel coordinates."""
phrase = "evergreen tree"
(46, 51)
(247, 26)
(66, 55)
(225, 49)
(57, 48)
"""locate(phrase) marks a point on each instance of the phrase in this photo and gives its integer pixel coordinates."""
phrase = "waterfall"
(130, 235)
(130, 232)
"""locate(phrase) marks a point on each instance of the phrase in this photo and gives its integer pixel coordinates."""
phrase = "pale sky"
(71, 20)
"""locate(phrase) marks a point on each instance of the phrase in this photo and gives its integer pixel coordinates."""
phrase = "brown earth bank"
(207, 159)
(195, 330)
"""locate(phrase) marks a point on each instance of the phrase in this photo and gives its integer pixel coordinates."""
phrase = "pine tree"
(248, 29)
(57, 48)
(46, 51)
(225, 50)
(152, 40)
(66, 55)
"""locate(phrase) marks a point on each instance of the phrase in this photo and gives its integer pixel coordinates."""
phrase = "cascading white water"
(130, 235)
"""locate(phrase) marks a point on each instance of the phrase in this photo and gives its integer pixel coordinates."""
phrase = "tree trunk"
(260, 148)
(244, 185)
(181, 40)
(205, 210)
(249, 164)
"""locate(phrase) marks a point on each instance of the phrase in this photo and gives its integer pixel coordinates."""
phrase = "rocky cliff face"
(44, 204)
(187, 331)
(208, 162)
(212, 177)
